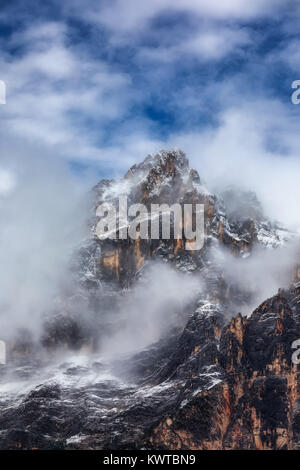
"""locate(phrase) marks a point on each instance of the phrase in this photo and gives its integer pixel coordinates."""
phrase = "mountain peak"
(166, 161)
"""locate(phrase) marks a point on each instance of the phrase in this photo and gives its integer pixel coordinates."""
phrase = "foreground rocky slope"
(248, 396)
(215, 379)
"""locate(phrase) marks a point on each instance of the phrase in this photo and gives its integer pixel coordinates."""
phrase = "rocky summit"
(120, 364)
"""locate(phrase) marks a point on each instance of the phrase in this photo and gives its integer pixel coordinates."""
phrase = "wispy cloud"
(104, 83)
(54, 89)
(132, 16)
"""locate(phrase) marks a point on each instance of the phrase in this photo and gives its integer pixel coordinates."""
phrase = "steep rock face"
(165, 178)
(216, 380)
(254, 401)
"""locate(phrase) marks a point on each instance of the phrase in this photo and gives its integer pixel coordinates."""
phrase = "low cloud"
(260, 275)
(41, 222)
(157, 304)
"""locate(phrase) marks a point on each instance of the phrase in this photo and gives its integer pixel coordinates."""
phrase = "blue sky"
(100, 84)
